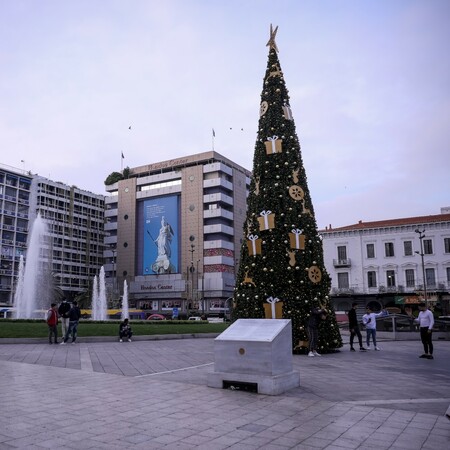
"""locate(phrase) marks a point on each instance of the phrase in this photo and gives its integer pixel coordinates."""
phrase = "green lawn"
(38, 328)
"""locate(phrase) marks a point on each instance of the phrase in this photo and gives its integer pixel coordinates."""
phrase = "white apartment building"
(386, 262)
(75, 219)
(15, 187)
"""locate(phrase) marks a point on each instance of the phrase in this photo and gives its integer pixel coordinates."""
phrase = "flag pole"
(121, 161)
(213, 136)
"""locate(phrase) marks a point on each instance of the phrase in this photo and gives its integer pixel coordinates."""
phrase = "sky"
(369, 86)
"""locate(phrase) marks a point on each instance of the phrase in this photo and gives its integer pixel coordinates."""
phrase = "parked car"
(195, 318)
(156, 317)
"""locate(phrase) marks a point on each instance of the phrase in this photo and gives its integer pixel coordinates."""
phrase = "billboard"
(159, 235)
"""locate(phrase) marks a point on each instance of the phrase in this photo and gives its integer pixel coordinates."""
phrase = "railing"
(399, 324)
(342, 262)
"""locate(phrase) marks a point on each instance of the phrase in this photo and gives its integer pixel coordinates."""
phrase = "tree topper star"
(273, 34)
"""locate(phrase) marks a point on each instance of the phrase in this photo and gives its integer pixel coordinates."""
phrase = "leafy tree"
(113, 177)
(282, 257)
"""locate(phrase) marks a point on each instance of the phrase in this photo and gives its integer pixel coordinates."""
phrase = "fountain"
(95, 314)
(99, 306)
(28, 286)
(125, 312)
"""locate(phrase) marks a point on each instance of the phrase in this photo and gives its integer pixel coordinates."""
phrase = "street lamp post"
(421, 234)
(192, 270)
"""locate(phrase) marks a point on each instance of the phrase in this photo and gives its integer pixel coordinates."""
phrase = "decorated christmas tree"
(281, 272)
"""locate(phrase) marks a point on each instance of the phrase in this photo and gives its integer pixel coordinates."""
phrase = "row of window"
(389, 250)
(390, 281)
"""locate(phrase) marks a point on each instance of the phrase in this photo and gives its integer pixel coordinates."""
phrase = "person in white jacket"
(370, 321)
(426, 323)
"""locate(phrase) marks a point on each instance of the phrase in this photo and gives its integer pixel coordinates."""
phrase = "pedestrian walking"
(353, 326)
(52, 322)
(426, 323)
(63, 312)
(74, 317)
(316, 316)
(125, 331)
(370, 321)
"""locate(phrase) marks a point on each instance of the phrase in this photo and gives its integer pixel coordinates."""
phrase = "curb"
(90, 339)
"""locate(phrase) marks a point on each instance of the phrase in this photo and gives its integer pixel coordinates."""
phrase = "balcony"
(217, 198)
(342, 262)
(218, 212)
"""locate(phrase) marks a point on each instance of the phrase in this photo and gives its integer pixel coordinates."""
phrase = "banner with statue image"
(161, 235)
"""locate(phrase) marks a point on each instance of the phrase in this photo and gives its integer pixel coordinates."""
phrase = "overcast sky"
(369, 85)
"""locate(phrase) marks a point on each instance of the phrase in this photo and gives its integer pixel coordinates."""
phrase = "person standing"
(74, 317)
(354, 328)
(312, 329)
(370, 321)
(426, 323)
(125, 331)
(63, 312)
(52, 322)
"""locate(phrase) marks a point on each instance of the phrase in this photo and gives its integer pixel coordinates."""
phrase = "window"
(410, 279)
(427, 247)
(407, 247)
(342, 252)
(371, 279)
(389, 248)
(343, 280)
(430, 277)
(390, 278)
(447, 245)
(448, 274)
(370, 250)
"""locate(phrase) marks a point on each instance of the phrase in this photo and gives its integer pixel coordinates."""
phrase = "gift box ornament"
(266, 221)
(287, 112)
(273, 145)
(254, 245)
(297, 239)
(273, 309)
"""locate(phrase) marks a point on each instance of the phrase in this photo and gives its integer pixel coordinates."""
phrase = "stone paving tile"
(302, 418)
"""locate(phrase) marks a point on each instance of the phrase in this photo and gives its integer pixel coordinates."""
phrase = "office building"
(175, 232)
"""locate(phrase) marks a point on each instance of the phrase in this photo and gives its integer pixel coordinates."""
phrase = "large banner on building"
(160, 235)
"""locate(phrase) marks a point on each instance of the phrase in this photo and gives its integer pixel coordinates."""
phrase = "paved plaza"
(152, 394)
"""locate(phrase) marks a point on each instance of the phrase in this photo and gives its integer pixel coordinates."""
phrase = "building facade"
(75, 222)
(73, 249)
(15, 189)
(175, 230)
(390, 262)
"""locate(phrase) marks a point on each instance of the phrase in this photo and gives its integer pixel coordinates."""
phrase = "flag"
(123, 156)
(214, 133)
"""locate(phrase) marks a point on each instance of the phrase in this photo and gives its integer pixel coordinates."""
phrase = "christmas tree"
(281, 272)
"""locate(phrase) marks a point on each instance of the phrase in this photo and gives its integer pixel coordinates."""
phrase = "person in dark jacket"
(125, 331)
(353, 326)
(312, 329)
(74, 317)
(63, 312)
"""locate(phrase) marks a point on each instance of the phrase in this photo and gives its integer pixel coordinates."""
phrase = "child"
(369, 320)
(125, 331)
